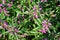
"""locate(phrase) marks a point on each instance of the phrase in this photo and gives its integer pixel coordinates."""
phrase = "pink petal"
(9, 5)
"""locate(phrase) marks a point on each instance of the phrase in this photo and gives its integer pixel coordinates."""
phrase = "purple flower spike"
(0, 5)
(5, 23)
(5, 11)
(46, 24)
(40, 9)
(43, 30)
(9, 5)
(42, 0)
(18, 22)
(35, 15)
(34, 8)
(15, 30)
(0, 10)
(3, 1)
(31, 18)
(59, 5)
(18, 16)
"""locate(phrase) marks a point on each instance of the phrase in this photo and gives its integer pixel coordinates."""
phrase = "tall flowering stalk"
(0, 5)
(5, 11)
(35, 13)
(4, 8)
(0, 10)
(46, 24)
(9, 5)
(3, 1)
(43, 0)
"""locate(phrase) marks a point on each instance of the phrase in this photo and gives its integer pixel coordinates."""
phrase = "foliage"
(22, 19)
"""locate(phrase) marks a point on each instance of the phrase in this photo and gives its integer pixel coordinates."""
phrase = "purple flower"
(35, 14)
(9, 5)
(42, 0)
(40, 9)
(43, 30)
(15, 30)
(59, 5)
(18, 22)
(5, 11)
(31, 18)
(34, 8)
(3, 1)
(5, 23)
(18, 16)
(46, 24)
(0, 4)
(0, 10)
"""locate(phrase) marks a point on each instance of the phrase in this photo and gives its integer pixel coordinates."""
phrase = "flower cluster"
(46, 24)
(4, 8)
(43, 0)
(35, 13)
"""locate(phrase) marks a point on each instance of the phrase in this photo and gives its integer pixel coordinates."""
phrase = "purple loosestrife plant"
(4, 8)
(15, 30)
(18, 22)
(3, 1)
(18, 16)
(5, 23)
(40, 9)
(43, 30)
(43, 0)
(1, 5)
(46, 24)
(35, 13)
(0, 10)
(9, 5)
(34, 8)
(31, 18)
(5, 11)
